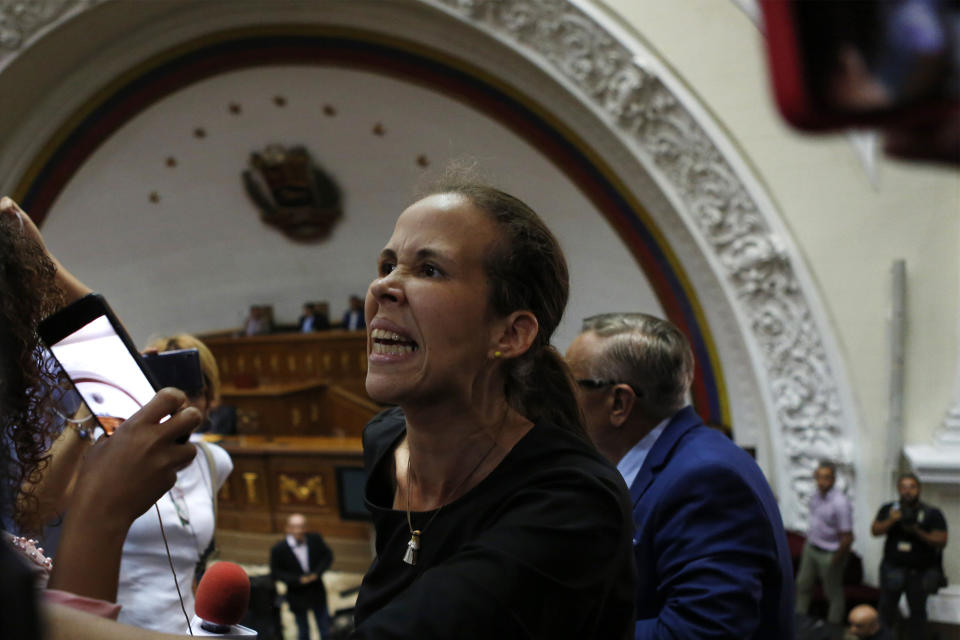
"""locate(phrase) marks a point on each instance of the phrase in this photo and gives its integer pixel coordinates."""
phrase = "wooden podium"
(301, 408)
(275, 477)
(296, 384)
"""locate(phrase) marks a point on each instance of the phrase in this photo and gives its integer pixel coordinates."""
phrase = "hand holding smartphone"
(98, 356)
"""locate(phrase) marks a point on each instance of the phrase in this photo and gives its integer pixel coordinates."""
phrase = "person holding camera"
(912, 563)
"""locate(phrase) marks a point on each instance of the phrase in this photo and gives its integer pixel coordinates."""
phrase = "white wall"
(200, 256)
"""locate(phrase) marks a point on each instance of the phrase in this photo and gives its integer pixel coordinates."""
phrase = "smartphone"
(97, 354)
(871, 63)
(179, 368)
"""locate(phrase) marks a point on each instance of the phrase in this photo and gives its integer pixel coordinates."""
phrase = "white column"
(939, 461)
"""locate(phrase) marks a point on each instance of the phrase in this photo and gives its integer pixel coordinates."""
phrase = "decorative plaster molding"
(802, 385)
(934, 464)
(949, 433)
(21, 21)
(939, 462)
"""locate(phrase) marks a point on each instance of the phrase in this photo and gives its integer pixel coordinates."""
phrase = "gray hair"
(648, 353)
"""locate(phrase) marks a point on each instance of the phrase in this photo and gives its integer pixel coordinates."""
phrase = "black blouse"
(540, 548)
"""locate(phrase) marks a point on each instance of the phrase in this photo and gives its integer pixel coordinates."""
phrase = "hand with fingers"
(121, 477)
(129, 471)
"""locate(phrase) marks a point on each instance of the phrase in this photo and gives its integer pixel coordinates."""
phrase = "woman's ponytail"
(539, 386)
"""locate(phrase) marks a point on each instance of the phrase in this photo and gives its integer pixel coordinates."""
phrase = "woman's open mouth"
(391, 343)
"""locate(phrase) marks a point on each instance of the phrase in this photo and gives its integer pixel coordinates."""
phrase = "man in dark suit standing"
(709, 544)
(299, 562)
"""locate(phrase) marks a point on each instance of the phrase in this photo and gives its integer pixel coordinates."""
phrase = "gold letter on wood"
(250, 481)
(301, 492)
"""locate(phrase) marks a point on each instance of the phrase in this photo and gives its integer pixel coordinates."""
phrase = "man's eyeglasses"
(596, 383)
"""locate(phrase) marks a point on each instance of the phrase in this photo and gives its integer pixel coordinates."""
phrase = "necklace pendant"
(413, 548)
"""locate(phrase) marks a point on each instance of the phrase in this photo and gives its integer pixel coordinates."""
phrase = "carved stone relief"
(801, 383)
(21, 20)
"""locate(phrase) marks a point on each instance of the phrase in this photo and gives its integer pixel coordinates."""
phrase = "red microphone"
(222, 599)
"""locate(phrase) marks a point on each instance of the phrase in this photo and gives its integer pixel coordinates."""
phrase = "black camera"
(909, 513)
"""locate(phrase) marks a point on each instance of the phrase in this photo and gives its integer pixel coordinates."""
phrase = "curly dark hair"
(27, 293)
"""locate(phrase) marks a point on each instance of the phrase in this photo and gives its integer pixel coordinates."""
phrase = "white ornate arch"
(786, 374)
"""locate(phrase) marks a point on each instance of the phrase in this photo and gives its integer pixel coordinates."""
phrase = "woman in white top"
(147, 591)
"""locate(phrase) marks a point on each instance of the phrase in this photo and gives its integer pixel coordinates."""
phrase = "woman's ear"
(519, 331)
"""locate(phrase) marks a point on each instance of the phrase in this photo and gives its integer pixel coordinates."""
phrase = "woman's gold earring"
(497, 354)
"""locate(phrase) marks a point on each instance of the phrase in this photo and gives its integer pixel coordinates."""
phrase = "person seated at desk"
(353, 319)
(258, 322)
(316, 317)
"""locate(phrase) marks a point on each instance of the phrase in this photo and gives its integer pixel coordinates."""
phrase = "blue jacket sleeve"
(713, 545)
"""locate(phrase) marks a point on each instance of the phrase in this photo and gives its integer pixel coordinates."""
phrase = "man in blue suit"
(711, 552)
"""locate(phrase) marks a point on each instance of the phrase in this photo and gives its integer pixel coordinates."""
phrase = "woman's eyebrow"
(421, 255)
(431, 254)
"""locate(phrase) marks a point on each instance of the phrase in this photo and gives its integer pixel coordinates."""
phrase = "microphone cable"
(176, 582)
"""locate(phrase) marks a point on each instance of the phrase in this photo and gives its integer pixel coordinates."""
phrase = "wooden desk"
(274, 477)
(310, 408)
(291, 387)
(293, 358)
(295, 384)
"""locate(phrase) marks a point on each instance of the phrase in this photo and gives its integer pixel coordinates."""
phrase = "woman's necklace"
(413, 546)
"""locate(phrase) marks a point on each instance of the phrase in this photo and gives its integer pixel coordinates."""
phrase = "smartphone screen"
(98, 357)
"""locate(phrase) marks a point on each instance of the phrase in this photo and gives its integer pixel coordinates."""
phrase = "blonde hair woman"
(188, 515)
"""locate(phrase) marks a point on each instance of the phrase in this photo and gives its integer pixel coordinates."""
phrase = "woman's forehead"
(443, 223)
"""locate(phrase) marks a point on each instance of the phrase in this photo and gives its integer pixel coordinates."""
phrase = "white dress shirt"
(630, 464)
(300, 550)
(146, 587)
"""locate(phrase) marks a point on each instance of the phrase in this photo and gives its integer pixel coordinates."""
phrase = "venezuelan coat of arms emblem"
(293, 193)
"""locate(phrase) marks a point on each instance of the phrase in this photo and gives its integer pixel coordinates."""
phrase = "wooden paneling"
(296, 384)
(301, 485)
(280, 408)
(305, 409)
(274, 477)
(348, 413)
(301, 408)
(338, 356)
(244, 500)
